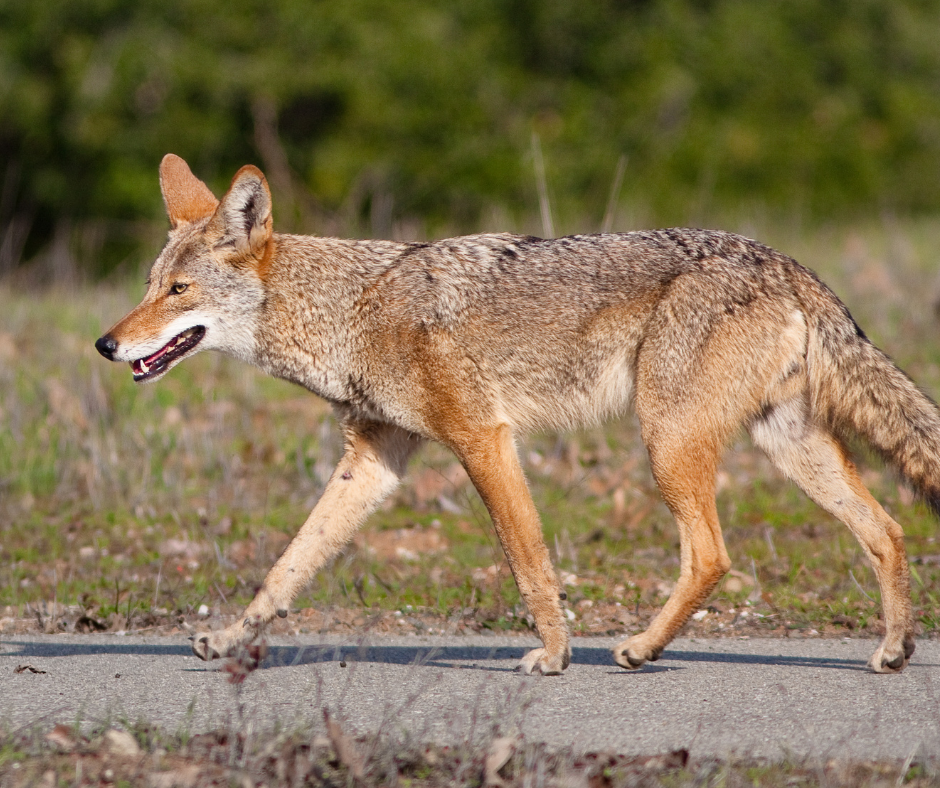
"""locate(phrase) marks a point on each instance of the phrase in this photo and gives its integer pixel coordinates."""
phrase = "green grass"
(133, 506)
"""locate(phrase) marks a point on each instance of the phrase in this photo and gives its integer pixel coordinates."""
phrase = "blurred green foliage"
(424, 111)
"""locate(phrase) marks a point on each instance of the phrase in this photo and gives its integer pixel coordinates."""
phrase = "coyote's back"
(471, 341)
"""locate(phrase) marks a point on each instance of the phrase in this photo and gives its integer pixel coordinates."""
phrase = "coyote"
(473, 341)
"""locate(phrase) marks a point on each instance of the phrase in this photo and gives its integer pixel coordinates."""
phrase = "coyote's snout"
(154, 365)
(472, 341)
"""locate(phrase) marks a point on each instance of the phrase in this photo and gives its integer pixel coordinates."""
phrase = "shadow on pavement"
(477, 657)
(452, 656)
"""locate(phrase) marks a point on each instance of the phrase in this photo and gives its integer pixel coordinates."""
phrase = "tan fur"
(473, 341)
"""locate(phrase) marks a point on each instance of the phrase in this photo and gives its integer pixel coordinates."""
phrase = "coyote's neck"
(310, 327)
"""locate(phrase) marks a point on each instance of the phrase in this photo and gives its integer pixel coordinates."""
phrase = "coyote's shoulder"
(471, 341)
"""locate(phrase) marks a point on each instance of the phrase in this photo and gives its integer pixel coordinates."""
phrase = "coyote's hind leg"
(686, 478)
(817, 462)
(372, 466)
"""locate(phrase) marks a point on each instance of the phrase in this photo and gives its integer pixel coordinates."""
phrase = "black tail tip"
(931, 499)
(933, 502)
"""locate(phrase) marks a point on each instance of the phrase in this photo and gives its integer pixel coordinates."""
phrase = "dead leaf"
(64, 405)
(484, 575)
(737, 581)
(500, 752)
(742, 576)
(677, 759)
(86, 624)
(848, 622)
(7, 347)
(266, 545)
(121, 744)
(619, 497)
(431, 484)
(63, 737)
(407, 544)
(246, 660)
(27, 668)
(183, 777)
(345, 747)
(182, 548)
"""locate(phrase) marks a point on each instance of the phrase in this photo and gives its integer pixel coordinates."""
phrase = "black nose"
(106, 346)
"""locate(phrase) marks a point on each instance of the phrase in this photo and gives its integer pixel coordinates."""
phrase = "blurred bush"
(369, 115)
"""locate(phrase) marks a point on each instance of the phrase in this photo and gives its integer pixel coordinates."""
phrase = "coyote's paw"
(634, 652)
(540, 661)
(892, 659)
(218, 645)
(202, 649)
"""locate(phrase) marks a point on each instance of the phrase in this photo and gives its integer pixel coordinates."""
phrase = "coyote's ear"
(185, 196)
(244, 215)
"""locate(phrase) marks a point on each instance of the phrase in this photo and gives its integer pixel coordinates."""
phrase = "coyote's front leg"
(372, 466)
(490, 459)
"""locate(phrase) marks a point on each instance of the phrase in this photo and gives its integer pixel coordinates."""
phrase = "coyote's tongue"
(142, 365)
(179, 345)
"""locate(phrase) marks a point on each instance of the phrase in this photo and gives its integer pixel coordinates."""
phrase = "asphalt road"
(766, 698)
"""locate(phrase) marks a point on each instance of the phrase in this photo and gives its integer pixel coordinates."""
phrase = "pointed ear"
(244, 215)
(185, 196)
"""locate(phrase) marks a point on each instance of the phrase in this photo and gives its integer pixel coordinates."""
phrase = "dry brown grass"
(325, 755)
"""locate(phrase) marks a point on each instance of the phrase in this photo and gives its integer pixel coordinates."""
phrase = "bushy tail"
(856, 389)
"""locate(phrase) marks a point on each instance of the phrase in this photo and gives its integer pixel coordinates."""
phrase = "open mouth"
(176, 348)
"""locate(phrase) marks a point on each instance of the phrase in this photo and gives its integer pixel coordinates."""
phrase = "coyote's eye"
(178, 288)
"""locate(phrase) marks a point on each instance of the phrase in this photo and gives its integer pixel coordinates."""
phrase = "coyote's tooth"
(143, 367)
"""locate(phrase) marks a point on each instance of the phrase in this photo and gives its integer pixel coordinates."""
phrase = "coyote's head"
(205, 288)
